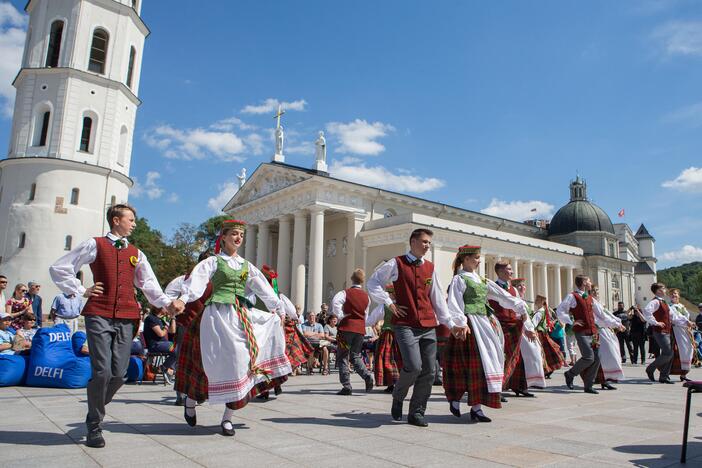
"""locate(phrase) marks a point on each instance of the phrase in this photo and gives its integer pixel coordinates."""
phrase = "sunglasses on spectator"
(23, 290)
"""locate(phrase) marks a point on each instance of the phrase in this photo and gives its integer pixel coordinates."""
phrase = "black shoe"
(607, 386)
(263, 396)
(456, 410)
(569, 380)
(548, 376)
(524, 393)
(479, 416)
(344, 391)
(277, 390)
(591, 390)
(396, 410)
(650, 375)
(94, 439)
(684, 379)
(180, 401)
(623, 361)
(227, 431)
(667, 381)
(191, 420)
(417, 420)
(390, 389)
(503, 399)
(369, 385)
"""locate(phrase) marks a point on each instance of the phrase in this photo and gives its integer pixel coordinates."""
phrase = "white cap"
(4, 315)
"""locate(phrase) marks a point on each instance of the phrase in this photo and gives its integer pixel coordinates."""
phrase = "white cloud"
(13, 26)
(195, 143)
(690, 115)
(226, 192)
(255, 143)
(302, 147)
(150, 188)
(359, 136)
(353, 170)
(270, 105)
(689, 180)
(173, 198)
(686, 254)
(680, 38)
(230, 123)
(519, 210)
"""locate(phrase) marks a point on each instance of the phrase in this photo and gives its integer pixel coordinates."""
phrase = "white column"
(250, 242)
(528, 266)
(543, 280)
(262, 248)
(557, 293)
(481, 267)
(283, 263)
(570, 281)
(353, 227)
(297, 290)
(315, 286)
(515, 267)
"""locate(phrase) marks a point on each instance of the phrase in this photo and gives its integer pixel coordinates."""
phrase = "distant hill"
(687, 278)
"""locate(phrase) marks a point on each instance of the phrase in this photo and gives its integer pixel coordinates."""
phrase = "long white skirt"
(532, 355)
(610, 356)
(684, 342)
(225, 354)
(491, 347)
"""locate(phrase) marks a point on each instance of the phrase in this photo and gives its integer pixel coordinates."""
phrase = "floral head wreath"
(227, 225)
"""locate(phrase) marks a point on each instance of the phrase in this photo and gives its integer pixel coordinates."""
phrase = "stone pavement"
(308, 425)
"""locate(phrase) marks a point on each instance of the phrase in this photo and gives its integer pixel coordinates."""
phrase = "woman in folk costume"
(543, 321)
(474, 358)
(532, 354)
(609, 352)
(387, 360)
(682, 340)
(243, 349)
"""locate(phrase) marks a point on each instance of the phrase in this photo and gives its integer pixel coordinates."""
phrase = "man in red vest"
(112, 312)
(657, 314)
(579, 305)
(419, 308)
(351, 307)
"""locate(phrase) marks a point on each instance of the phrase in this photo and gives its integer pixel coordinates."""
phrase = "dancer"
(579, 304)
(553, 352)
(682, 339)
(609, 353)
(474, 358)
(531, 372)
(387, 360)
(243, 348)
(513, 324)
(350, 306)
(111, 312)
(420, 303)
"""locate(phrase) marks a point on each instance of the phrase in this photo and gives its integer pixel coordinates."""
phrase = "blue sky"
(485, 105)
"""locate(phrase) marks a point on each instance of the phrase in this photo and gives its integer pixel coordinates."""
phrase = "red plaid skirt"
(463, 373)
(513, 356)
(553, 358)
(387, 360)
(259, 388)
(190, 378)
(676, 368)
(297, 348)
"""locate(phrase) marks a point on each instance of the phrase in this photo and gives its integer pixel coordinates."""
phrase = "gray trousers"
(110, 342)
(664, 361)
(589, 362)
(350, 346)
(418, 350)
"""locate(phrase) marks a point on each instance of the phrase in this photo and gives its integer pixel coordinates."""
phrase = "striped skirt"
(297, 348)
(190, 378)
(387, 360)
(513, 336)
(553, 358)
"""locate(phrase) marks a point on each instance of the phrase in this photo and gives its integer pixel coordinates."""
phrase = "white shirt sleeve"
(173, 288)
(258, 284)
(194, 287)
(337, 304)
(63, 272)
(649, 310)
(385, 274)
(602, 318)
(145, 279)
(376, 315)
(456, 305)
(538, 315)
(290, 310)
(563, 309)
(508, 301)
(439, 302)
(677, 317)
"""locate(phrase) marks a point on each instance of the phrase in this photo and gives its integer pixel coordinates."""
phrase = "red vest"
(583, 312)
(507, 317)
(354, 308)
(663, 315)
(412, 290)
(114, 268)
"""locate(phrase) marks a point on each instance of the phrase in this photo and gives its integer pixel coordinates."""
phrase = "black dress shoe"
(263, 396)
(417, 420)
(390, 389)
(396, 410)
(94, 439)
(344, 391)
(503, 399)
(278, 390)
(524, 393)
(607, 386)
(591, 390)
(369, 385)
(455, 409)
(479, 416)
(667, 381)
(650, 375)
(684, 379)
(191, 420)
(569, 380)
(227, 429)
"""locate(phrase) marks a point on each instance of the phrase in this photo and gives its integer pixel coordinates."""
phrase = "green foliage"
(687, 278)
(208, 231)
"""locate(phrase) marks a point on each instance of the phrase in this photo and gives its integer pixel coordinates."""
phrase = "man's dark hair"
(501, 265)
(419, 231)
(3, 276)
(580, 280)
(656, 286)
(206, 254)
(117, 211)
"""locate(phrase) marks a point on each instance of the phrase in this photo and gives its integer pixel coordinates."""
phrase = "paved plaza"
(308, 425)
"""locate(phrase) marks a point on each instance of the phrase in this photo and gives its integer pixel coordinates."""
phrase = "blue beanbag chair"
(13, 369)
(52, 362)
(135, 371)
(77, 341)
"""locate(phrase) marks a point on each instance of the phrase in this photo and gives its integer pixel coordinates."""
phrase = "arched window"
(68, 243)
(41, 128)
(135, 4)
(22, 240)
(54, 50)
(122, 150)
(98, 51)
(130, 68)
(32, 192)
(86, 135)
(74, 196)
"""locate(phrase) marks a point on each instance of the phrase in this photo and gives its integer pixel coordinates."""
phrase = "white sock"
(456, 404)
(227, 416)
(190, 407)
(476, 408)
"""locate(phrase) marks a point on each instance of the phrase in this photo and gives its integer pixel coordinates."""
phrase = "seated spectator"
(6, 338)
(156, 330)
(26, 333)
(330, 330)
(138, 341)
(314, 332)
(66, 309)
(18, 305)
(323, 314)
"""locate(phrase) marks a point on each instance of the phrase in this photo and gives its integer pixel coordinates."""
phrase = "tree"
(209, 230)
(166, 260)
(187, 240)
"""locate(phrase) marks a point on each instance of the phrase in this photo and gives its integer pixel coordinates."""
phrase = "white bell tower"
(72, 130)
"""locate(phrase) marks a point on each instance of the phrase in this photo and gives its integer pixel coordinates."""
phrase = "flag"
(621, 213)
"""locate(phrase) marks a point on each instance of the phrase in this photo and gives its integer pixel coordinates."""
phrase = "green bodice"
(475, 297)
(541, 326)
(227, 283)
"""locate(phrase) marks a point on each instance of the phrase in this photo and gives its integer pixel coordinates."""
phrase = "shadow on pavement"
(668, 454)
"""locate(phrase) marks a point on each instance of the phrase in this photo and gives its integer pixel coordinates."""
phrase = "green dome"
(579, 214)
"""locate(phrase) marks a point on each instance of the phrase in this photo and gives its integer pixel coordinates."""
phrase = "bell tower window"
(53, 52)
(98, 51)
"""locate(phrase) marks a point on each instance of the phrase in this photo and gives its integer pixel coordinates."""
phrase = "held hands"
(460, 333)
(531, 335)
(622, 328)
(398, 310)
(176, 307)
(95, 290)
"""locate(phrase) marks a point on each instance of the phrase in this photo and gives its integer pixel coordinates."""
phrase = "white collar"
(226, 257)
(412, 258)
(356, 286)
(114, 238)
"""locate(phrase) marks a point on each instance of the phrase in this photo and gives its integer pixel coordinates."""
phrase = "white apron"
(491, 348)
(610, 356)
(532, 356)
(684, 341)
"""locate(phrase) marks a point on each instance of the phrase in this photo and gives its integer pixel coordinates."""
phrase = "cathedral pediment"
(267, 179)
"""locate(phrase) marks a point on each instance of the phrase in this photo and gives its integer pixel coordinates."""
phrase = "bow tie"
(416, 262)
(585, 294)
(120, 243)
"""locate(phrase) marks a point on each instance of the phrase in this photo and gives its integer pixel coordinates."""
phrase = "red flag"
(621, 213)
